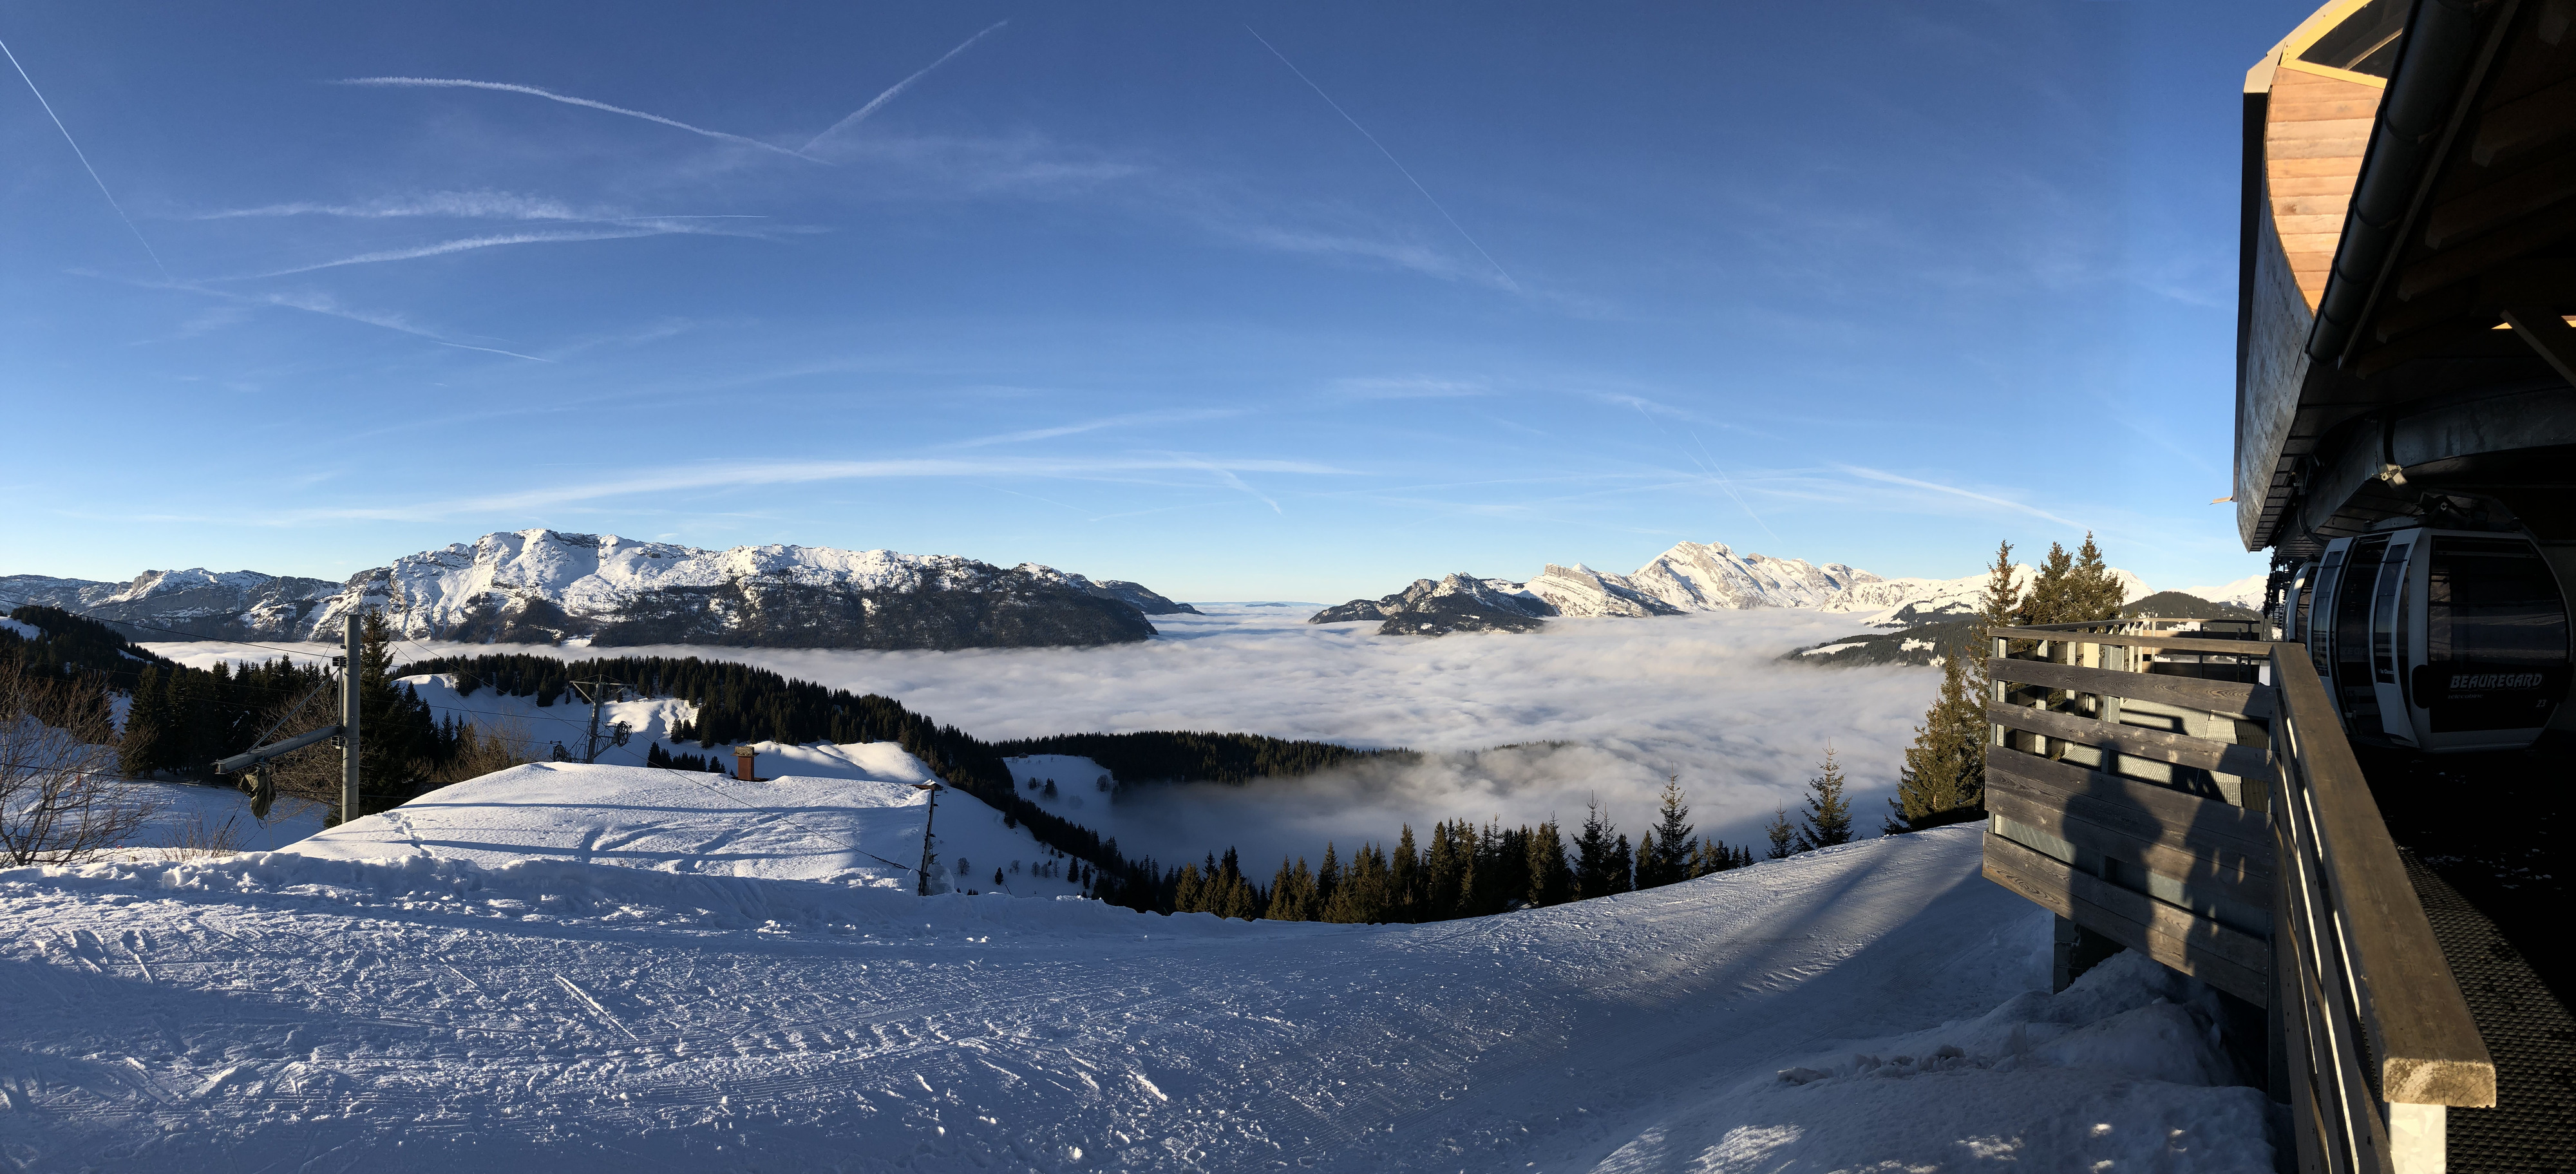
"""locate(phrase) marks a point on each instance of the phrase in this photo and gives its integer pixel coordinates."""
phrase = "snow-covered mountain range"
(1692, 576)
(546, 586)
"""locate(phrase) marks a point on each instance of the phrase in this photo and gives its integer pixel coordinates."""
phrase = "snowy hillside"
(543, 586)
(1865, 1006)
(1697, 576)
(2245, 593)
(860, 826)
(1913, 601)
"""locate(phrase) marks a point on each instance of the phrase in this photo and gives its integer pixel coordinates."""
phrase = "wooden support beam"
(2254, 701)
(2248, 762)
(2235, 962)
(2547, 333)
(2501, 202)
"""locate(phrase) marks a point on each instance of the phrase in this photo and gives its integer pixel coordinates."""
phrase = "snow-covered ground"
(1870, 1006)
(858, 824)
(186, 816)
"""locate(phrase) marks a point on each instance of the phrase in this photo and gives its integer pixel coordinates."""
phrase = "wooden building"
(2406, 449)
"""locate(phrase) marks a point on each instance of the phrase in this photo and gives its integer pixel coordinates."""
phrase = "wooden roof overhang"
(2427, 330)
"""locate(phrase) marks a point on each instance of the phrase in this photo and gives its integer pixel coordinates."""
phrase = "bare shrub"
(200, 840)
(61, 797)
(483, 749)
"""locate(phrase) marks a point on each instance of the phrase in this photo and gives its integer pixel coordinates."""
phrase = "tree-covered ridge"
(71, 645)
(1195, 756)
(180, 719)
(744, 703)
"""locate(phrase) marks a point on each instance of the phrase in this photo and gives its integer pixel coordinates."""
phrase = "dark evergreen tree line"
(1195, 756)
(654, 755)
(1464, 871)
(180, 719)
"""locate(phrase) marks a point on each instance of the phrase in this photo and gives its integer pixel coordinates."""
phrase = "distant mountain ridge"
(1692, 576)
(545, 586)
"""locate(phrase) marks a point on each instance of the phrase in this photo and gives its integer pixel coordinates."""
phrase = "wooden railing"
(2192, 797)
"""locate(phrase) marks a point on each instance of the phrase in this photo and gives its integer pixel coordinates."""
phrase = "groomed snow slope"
(284, 1012)
(855, 820)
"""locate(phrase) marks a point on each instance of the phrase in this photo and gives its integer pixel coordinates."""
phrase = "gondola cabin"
(2441, 640)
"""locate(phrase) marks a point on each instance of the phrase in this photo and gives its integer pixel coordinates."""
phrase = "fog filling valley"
(1515, 727)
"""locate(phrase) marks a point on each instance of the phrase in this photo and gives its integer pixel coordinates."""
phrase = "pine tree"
(2093, 593)
(1623, 864)
(1289, 893)
(1361, 897)
(1665, 854)
(1592, 856)
(145, 746)
(2057, 592)
(1827, 820)
(1449, 880)
(1404, 879)
(1551, 881)
(1943, 780)
(1784, 835)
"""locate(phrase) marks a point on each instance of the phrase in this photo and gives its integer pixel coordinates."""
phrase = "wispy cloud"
(1414, 387)
(1227, 476)
(744, 474)
(468, 244)
(1119, 421)
(1953, 490)
(329, 307)
(893, 91)
(481, 205)
(1399, 253)
(569, 100)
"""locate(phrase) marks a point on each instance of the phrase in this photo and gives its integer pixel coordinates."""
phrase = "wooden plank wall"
(2316, 129)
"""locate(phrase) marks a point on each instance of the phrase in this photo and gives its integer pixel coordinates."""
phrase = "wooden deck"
(2222, 827)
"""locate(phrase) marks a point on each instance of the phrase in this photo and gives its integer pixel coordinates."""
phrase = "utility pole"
(928, 858)
(351, 641)
(598, 693)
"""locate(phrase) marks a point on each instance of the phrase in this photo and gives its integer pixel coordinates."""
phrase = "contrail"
(861, 114)
(84, 158)
(1390, 155)
(569, 100)
(458, 246)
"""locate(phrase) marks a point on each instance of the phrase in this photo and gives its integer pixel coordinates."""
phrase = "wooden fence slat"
(2185, 821)
(2254, 648)
(2428, 1047)
(2252, 889)
(2195, 946)
(2252, 762)
(2254, 701)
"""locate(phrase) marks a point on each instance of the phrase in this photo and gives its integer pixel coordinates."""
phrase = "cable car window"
(2307, 601)
(2383, 615)
(2319, 627)
(2351, 636)
(2495, 636)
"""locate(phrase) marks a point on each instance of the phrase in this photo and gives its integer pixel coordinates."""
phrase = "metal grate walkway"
(2530, 1034)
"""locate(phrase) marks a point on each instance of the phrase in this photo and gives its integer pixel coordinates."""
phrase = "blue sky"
(1239, 301)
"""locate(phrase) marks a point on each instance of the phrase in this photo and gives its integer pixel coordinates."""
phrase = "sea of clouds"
(1517, 727)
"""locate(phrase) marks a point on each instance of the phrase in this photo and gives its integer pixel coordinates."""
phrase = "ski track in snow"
(304, 1012)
